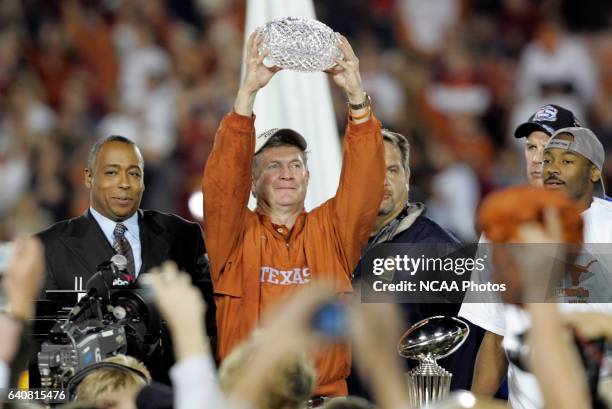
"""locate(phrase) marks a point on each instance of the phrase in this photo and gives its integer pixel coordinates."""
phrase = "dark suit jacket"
(75, 248)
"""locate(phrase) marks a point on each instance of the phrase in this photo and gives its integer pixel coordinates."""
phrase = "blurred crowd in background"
(455, 76)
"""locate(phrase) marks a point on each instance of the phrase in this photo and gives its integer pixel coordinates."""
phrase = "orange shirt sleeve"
(226, 187)
(360, 191)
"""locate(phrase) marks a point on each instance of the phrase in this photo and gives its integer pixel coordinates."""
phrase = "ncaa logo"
(546, 113)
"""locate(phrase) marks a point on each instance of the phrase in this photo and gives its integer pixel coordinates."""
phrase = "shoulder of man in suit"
(167, 219)
(62, 227)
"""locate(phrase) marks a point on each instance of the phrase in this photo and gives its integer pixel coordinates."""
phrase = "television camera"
(113, 317)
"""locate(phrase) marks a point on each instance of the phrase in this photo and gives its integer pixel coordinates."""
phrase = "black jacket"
(413, 227)
(74, 248)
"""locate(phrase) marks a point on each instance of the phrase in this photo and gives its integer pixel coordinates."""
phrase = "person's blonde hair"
(288, 387)
(109, 380)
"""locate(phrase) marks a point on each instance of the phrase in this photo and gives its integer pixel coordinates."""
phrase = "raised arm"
(491, 365)
(374, 341)
(227, 176)
(556, 364)
(360, 191)
(193, 375)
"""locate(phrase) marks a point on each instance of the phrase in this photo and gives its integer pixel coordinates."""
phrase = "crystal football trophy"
(427, 341)
(299, 44)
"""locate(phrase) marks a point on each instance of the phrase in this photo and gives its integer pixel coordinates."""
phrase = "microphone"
(100, 283)
(98, 286)
(109, 275)
(120, 261)
(123, 278)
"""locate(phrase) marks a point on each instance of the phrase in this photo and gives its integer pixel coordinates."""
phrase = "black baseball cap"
(548, 119)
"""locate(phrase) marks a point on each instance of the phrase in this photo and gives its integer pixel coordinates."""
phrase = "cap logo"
(547, 113)
(559, 143)
(267, 133)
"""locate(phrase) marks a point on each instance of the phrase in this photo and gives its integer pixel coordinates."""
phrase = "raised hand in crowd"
(374, 341)
(285, 331)
(24, 277)
(181, 304)
(556, 363)
(22, 283)
(555, 360)
(10, 334)
(516, 266)
(590, 325)
(183, 307)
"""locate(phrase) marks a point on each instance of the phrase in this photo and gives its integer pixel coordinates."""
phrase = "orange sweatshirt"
(254, 262)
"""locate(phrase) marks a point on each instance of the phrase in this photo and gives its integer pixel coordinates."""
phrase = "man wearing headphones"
(112, 381)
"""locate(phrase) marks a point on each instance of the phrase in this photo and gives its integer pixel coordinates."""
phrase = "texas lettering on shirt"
(293, 276)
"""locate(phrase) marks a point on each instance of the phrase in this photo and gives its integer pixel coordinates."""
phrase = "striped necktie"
(122, 246)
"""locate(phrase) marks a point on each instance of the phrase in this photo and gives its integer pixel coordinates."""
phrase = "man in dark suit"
(77, 246)
(113, 224)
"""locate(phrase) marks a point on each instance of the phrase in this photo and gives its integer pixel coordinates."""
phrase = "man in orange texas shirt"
(259, 257)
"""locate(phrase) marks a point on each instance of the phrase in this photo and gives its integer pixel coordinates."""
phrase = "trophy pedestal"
(428, 383)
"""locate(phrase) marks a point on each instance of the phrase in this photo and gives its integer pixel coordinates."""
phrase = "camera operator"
(113, 224)
(114, 387)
